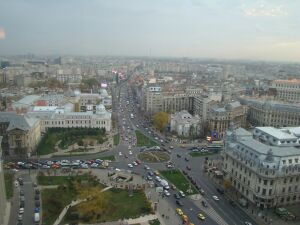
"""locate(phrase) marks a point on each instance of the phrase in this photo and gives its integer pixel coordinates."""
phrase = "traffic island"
(179, 180)
(153, 156)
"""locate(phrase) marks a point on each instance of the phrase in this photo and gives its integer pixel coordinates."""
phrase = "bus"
(215, 146)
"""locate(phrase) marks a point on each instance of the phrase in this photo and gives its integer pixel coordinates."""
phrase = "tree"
(227, 184)
(161, 119)
(96, 204)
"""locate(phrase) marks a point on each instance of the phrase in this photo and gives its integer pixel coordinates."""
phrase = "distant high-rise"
(287, 90)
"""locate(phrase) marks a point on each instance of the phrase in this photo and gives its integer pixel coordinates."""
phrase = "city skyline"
(237, 29)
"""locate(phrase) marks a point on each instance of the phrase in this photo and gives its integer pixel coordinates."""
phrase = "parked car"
(216, 198)
(177, 196)
(178, 202)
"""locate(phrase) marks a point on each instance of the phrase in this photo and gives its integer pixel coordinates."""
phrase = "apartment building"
(264, 166)
(272, 113)
(155, 100)
(204, 102)
(287, 90)
(21, 134)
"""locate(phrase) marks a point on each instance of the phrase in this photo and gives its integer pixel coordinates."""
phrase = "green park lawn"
(9, 183)
(121, 205)
(143, 140)
(67, 136)
(116, 139)
(54, 200)
(60, 180)
(200, 154)
(179, 180)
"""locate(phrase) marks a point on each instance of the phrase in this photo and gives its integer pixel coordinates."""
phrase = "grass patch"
(54, 200)
(121, 206)
(60, 180)
(116, 139)
(9, 184)
(200, 154)
(153, 156)
(179, 180)
(154, 222)
(68, 136)
(143, 140)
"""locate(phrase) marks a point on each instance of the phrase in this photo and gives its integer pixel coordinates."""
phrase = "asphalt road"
(27, 187)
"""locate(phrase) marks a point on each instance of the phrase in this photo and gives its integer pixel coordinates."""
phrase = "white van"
(36, 217)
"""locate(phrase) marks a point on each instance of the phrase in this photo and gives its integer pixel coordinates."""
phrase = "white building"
(58, 117)
(264, 167)
(184, 124)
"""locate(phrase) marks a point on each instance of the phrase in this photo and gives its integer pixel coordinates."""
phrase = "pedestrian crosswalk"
(214, 216)
(210, 212)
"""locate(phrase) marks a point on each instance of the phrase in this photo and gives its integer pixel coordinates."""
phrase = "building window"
(265, 182)
(283, 190)
(264, 191)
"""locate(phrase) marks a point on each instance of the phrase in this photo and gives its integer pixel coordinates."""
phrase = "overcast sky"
(233, 29)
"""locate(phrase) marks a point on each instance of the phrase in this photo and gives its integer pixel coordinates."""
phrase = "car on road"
(130, 152)
(179, 211)
(178, 156)
(149, 178)
(177, 196)
(201, 216)
(216, 198)
(188, 168)
(156, 173)
(150, 173)
(130, 165)
(220, 190)
(167, 193)
(171, 147)
(204, 204)
(120, 154)
(158, 179)
(247, 223)
(20, 217)
(21, 193)
(147, 167)
(21, 210)
(186, 159)
(181, 194)
(134, 163)
(178, 202)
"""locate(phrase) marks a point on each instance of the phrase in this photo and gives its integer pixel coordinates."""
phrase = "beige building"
(287, 90)
(264, 166)
(21, 134)
(272, 113)
(57, 117)
(220, 118)
(156, 100)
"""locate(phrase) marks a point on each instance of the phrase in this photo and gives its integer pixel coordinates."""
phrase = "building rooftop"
(243, 137)
(277, 133)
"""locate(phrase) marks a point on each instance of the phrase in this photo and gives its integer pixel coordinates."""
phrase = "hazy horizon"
(207, 29)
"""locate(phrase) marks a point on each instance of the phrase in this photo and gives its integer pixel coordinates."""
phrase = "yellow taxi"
(179, 211)
(201, 216)
(185, 218)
